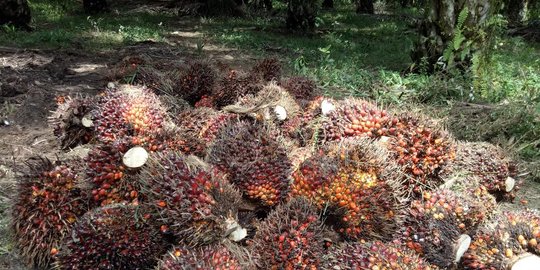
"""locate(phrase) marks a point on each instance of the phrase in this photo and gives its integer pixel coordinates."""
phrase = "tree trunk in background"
(516, 11)
(94, 6)
(328, 4)
(439, 26)
(15, 12)
(365, 7)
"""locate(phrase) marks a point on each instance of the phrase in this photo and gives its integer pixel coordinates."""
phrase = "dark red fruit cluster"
(291, 237)
(196, 82)
(255, 159)
(208, 258)
(301, 88)
(45, 208)
(232, 87)
(267, 69)
(205, 101)
(112, 237)
(203, 123)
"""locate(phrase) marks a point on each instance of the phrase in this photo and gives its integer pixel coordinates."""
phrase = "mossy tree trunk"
(365, 7)
(16, 13)
(94, 6)
(516, 11)
(440, 30)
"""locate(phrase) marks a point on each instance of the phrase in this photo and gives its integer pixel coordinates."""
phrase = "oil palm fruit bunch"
(420, 149)
(205, 101)
(112, 237)
(504, 244)
(301, 88)
(353, 118)
(196, 81)
(193, 203)
(255, 159)
(291, 237)
(110, 180)
(234, 86)
(304, 126)
(47, 204)
(375, 255)
(268, 69)
(129, 112)
(439, 224)
(358, 183)
(213, 257)
(489, 163)
(272, 104)
(72, 122)
(203, 123)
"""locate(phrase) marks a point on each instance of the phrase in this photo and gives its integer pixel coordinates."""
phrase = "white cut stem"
(327, 107)
(462, 246)
(509, 184)
(135, 157)
(281, 113)
(527, 261)
(87, 121)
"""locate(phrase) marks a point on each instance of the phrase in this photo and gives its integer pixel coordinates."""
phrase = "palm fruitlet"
(213, 257)
(47, 204)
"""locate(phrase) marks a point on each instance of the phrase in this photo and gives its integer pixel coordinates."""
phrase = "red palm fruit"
(111, 181)
(291, 237)
(193, 203)
(72, 122)
(129, 112)
(47, 204)
(205, 101)
(503, 243)
(439, 224)
(195, 82)
(375, 255)
(234, 86)
(203, 124)
(268, 69)
(421, 149)
(255, 158)
(214, 257)
(354, 118)
(301, 88)
(490, 164)
(311, 175)
(112, 237)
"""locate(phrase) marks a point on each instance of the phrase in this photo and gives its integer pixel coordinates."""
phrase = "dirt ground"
(31, 79)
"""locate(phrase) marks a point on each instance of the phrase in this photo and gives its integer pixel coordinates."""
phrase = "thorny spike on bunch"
(268, 69)
(193, 203)
(213, 257)
(421, 150)
(489, 163)
(196, 82)
(291, 237)
(112, 237)
(255, 158)
(301, 88)
(358, 183)
(129, 112)
(72, 122)
(47, 204)
(375, 255)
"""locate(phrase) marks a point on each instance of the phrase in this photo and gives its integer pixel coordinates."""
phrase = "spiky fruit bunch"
(420, 149)
(47, 204)
(129, 112)
(197, 81)
(109, 177)
(203, 123)
(112, 237)
(205, 101)
(360, 186)
(301, 88)
(192, 204)
(268, 69)
(152, 78)
(303, 126)
(71, 121)
(207, 258)
(255, 158)
(354, 118)
(437, 224)
(291, 237)
(376, 255)
(234, 86)
(503, 243)
(489, 163)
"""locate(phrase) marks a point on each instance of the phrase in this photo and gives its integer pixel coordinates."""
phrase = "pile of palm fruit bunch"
(200, 166)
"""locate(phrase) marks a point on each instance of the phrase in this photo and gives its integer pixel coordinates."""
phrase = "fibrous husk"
(291, 237)
(194, 204)
(375, 255)
(359, 184)
(304, 127)
(496, 171)
(72, 122)
(255, 159)
(159, 81)
(47, 204)
(112, 237)
(267, 105)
